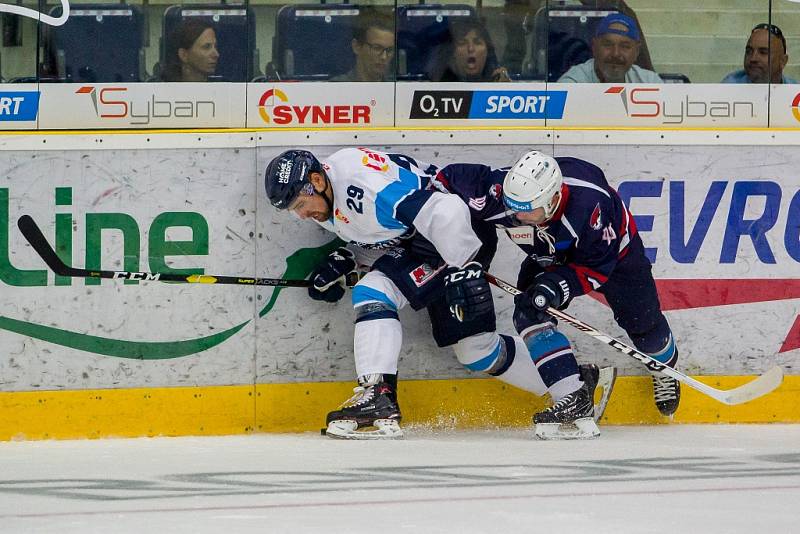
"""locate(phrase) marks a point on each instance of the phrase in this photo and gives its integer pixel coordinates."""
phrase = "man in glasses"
(764, 58)
(373, 46)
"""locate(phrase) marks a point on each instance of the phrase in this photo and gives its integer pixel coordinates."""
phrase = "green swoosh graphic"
(298, 265)
(140, 350)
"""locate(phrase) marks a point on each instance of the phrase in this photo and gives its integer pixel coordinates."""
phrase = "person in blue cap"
(615, 48)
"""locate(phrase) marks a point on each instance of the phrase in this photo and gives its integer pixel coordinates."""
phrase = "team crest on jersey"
(477, 203)
(423, 274)
(339, 215)
(374, 161)
(596, 220)
(496, 191)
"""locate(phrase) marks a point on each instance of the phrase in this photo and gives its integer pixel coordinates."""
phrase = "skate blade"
(584, 428)
(382, 429)
(608, 375)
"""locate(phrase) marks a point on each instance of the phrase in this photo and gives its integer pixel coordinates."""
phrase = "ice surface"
(666, 479)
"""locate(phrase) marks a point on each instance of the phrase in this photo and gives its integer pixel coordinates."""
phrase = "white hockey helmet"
(533, 182)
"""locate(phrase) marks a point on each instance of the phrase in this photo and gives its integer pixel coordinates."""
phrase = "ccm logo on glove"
(467, 292)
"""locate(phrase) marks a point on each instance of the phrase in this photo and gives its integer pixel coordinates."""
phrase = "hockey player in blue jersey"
(429, 257)
(579, 237)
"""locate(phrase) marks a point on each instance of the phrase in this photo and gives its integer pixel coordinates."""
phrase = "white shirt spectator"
(585, 73)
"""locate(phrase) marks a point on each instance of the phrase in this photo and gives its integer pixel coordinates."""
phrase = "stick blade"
(33, 234)
(759, 387)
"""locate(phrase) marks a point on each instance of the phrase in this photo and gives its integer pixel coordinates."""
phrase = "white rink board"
(300, 340)
(218, 184)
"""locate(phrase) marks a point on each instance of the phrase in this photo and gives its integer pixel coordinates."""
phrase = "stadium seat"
(674, 77)
(421, 29)
(562, 37)
(235, 29)
(312, 41)
(98, 43)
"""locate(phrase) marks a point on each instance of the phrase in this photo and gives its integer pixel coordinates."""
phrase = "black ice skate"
(373, 408)
(573, 417)
(667, 390)
(667, 393)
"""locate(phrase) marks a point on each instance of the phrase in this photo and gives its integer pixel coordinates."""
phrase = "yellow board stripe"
(301, 407)
(361, 128)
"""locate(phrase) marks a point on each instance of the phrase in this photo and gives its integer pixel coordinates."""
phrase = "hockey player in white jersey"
(431, 258)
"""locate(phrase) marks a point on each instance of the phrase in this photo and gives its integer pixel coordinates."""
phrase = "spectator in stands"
(764, 57)
(615, 47)
(468, 56)
(373, 46)
(518, 17)
(192, 54)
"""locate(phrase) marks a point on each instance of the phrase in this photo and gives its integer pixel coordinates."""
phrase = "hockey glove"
(467, 292)
(549, 290)
(328, 278)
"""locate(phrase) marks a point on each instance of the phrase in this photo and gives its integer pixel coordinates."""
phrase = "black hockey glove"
(329, 276)
(467, 292)
(549, 290)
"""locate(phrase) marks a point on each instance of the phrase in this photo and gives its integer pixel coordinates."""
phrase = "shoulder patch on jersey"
(496, 191)
(374, 161)
(477, 203)
(596, 220)
(422, 274)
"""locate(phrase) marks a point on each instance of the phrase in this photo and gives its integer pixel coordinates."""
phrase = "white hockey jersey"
(381, 199)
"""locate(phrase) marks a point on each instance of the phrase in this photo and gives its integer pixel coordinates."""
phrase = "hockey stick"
(745, 393)
(36, 238)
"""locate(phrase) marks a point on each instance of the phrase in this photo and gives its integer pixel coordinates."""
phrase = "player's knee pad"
(487, 352)
(376, 297)
(525, 324)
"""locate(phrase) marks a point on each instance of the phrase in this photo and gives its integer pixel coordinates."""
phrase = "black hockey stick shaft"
(747, 392)
(31, 231)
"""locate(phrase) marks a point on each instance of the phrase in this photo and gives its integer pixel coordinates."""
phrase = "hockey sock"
(503, 357)
(551, 352)
(668, 355)
(376, 346)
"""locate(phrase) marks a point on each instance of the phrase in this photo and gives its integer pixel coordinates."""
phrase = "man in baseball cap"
(615, 48)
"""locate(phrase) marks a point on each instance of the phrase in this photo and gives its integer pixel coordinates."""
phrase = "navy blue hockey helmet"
(287, 176)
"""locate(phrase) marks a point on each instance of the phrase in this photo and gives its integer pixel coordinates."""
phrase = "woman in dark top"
(469, 56)
(192, 54)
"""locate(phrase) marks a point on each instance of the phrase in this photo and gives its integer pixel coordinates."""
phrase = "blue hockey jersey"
(589, 234)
